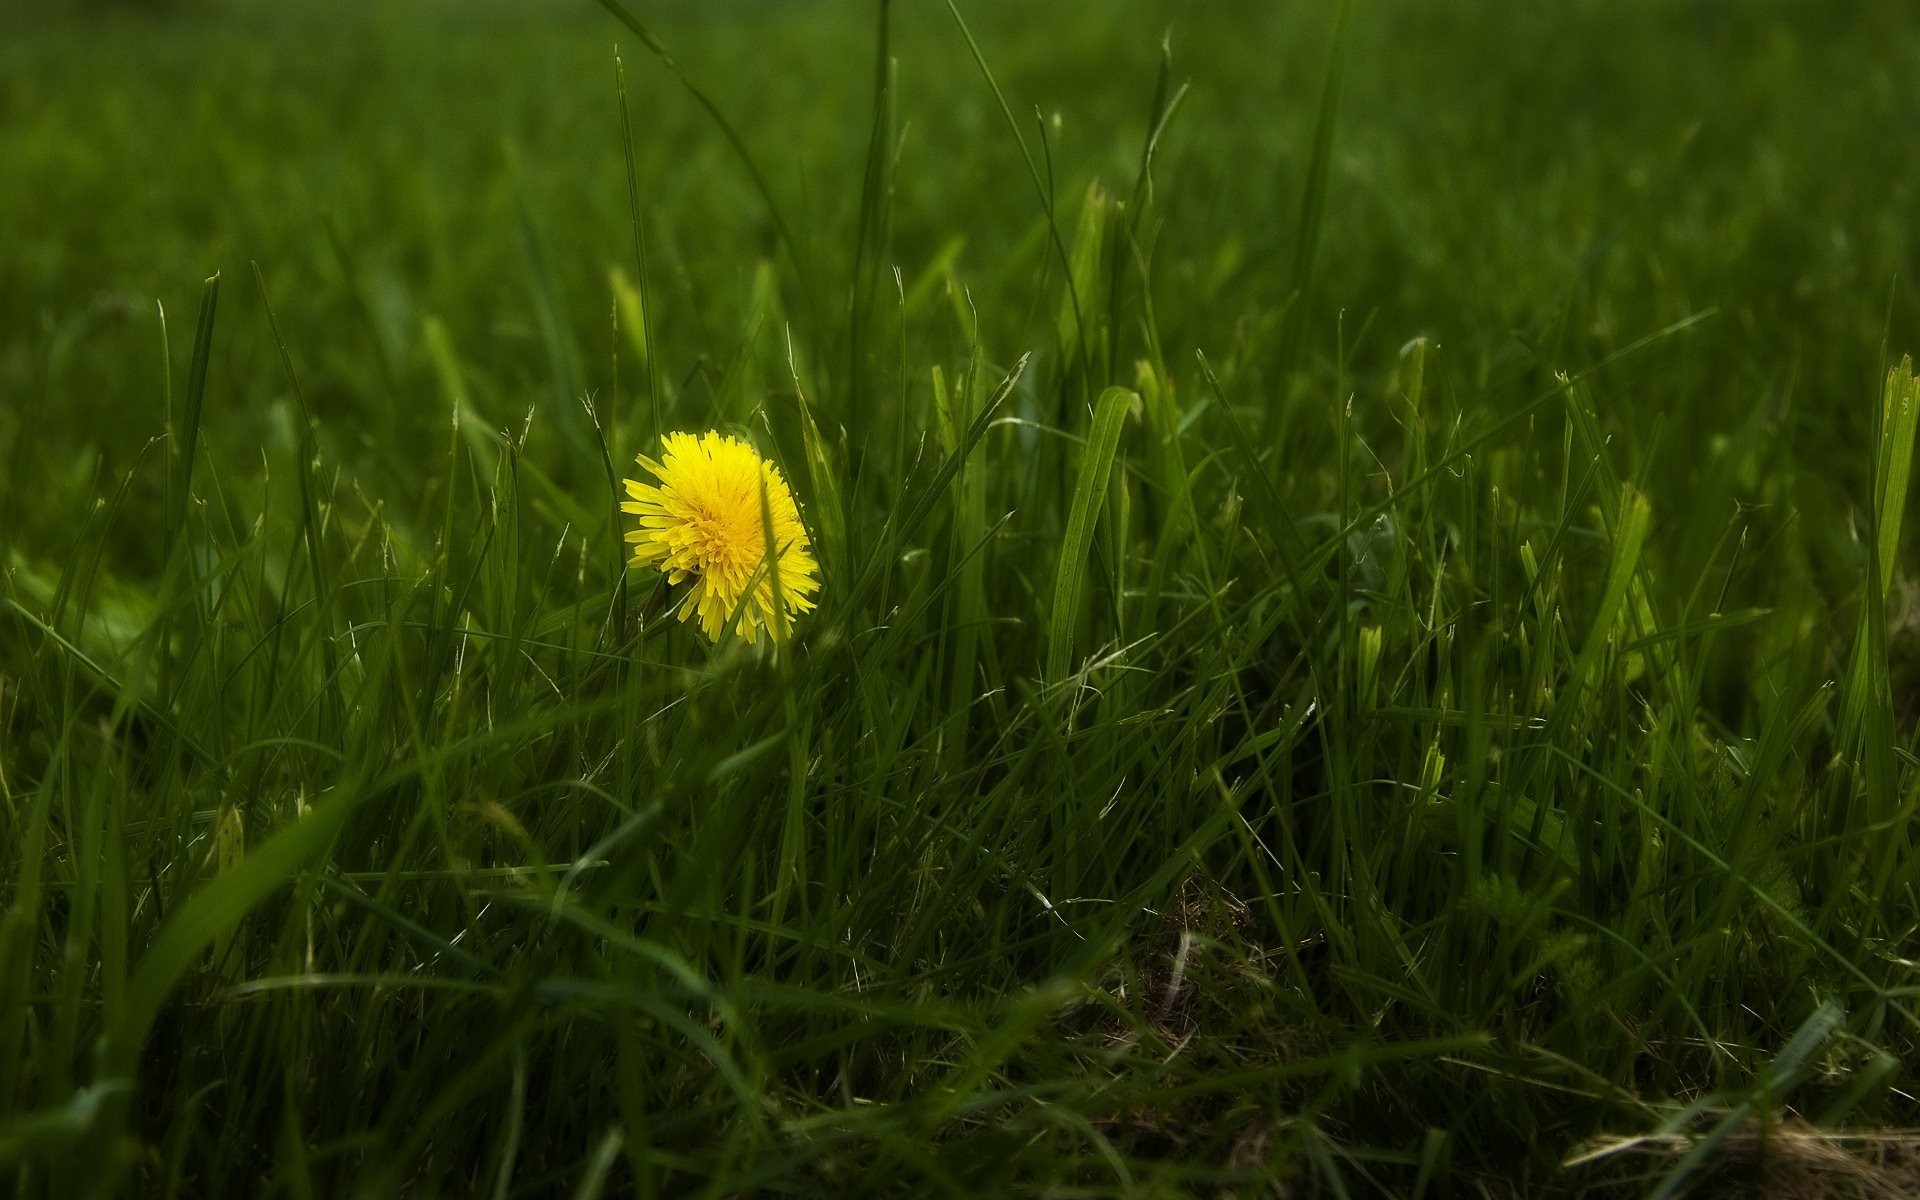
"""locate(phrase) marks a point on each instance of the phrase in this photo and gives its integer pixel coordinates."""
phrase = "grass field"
(1366, 642)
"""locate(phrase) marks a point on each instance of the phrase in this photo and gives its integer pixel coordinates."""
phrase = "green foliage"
(1367, 640)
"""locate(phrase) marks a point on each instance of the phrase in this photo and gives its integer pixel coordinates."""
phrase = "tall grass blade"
(727, 130)
(1313, 207)
(1089, 496)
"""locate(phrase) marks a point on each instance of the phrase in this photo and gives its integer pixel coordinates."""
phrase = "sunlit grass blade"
(1089, 497)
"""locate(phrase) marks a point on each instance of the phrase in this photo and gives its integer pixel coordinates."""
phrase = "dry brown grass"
(1786, 1162)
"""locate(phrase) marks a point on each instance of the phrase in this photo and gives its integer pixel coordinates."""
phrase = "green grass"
(1367, 644)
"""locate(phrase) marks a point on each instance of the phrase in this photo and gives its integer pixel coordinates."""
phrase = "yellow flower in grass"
(707, 520)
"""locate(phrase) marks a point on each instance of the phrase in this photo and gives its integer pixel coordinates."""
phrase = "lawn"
(1366, 641)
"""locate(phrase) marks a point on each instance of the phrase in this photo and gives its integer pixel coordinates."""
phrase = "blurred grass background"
(1468, 751)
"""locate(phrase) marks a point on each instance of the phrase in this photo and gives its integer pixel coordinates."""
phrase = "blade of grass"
(1089, 495)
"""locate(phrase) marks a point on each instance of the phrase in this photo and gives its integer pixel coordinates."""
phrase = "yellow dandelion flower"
(704, 521)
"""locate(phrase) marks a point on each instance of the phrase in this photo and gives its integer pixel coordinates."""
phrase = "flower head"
(707, 520)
